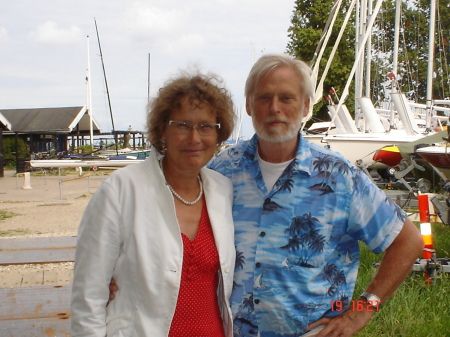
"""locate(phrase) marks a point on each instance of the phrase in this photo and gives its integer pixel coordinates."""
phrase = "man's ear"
(306, 106)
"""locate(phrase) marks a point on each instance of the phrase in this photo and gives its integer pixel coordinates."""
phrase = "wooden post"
(2, 172)
(17, 151)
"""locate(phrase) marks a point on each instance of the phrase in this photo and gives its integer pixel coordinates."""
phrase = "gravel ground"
(53, 206)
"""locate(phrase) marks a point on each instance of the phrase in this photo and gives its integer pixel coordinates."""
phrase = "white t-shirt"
(271, 171)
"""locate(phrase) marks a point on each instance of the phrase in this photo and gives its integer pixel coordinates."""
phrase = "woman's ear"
(247, 107)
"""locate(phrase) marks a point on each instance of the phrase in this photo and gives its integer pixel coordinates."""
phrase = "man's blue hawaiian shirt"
(297, 245)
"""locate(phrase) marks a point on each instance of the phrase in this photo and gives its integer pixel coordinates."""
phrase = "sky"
(48, 46)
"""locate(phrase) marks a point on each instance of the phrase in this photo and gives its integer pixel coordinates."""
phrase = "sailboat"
(92, 161)
(437, 154)
(438, 157)
(372, 129)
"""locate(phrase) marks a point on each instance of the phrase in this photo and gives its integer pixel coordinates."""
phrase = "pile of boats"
(381, 137)
(124, 158)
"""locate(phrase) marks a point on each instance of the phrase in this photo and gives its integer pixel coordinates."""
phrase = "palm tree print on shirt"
(305, 238)
(240, 260)
(326, 165)
(245, 321)
(238, 264)
(335, 277)
(285, 183)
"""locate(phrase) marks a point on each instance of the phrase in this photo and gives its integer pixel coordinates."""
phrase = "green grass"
(14, 232)
(416, 309)
(5, 215)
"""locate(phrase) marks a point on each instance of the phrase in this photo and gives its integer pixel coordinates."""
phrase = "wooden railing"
(41, 310)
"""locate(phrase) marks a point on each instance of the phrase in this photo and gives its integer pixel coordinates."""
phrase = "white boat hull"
(82, 163)
(438, 157)
(360, 148)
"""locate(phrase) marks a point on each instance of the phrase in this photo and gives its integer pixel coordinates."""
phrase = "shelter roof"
(51, 120)
(4, 123)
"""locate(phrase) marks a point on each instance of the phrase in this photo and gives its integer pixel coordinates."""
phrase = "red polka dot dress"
(197, 313)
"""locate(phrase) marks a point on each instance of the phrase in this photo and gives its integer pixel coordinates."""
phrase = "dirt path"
(53, 206)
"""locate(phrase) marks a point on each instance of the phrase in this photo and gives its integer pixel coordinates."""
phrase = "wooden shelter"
(55, 131)
(49, 129)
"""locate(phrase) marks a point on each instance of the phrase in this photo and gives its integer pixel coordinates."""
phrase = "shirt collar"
(303, 157)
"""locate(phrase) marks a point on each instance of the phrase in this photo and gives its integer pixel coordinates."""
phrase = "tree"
(413, 50)
(9, 149)
(308, 22)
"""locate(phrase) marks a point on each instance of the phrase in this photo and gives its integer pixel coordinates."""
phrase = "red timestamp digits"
(356, 305)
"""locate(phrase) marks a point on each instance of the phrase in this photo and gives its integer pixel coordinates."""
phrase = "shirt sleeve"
(374, 218)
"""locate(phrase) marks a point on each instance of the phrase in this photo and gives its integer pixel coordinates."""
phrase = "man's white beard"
(277, 137)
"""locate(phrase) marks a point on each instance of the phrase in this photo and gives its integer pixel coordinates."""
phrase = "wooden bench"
(42, 310)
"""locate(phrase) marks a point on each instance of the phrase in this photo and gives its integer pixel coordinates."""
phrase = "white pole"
(89, 103)
(358, 56)
(148, 80)
(361, 31)
(319, 88)
(398, 7)
(367, 77)
(430, 62)
(361, 43)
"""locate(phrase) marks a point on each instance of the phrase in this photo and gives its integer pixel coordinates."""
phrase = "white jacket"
(129, 231)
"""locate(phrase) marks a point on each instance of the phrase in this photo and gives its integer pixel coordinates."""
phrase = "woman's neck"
(180, 179)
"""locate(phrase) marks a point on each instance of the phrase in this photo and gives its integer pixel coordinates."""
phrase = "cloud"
(3, 34)
(186, 44)
(222, 36)
(147, 21)
(50, 33)
(171, 30)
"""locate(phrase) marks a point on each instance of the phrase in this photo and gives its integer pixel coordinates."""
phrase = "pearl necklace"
(189, 203)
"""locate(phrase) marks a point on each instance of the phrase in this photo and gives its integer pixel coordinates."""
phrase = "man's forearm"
(394, 268)
(397, 261)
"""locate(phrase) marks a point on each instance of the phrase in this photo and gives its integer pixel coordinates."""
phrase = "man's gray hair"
(269, 62)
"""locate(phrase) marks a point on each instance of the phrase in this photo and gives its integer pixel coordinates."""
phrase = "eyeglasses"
(183, 128)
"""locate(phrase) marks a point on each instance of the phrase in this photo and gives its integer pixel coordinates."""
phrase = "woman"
(163, 228)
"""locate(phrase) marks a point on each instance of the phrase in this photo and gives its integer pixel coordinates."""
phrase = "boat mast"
(359, 55)
(359, 49)
(430, 62)
(89, 96)
(319, 52)
(107, 90)
(398, 8)
(367, 77)
(148, 80)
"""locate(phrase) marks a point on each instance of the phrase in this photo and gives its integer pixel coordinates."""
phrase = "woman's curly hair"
(199, 89)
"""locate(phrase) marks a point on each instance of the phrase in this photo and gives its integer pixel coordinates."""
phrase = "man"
(299, 212)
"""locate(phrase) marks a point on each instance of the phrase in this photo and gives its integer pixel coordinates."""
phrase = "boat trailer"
(442, 205)
(432, 266)
(429, 264)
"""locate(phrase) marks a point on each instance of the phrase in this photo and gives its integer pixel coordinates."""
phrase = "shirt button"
(262, 234)
(256, 301)
(258, 264)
